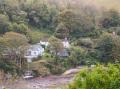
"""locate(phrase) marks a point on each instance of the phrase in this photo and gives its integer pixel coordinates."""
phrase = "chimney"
(114, 33)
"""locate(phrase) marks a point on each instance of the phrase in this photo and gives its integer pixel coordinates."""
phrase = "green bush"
(36, 36)
(39, 68)
(109, 48)
(56, 67)
(8, 67)
(19, 28)
(76, 57)
(84, 42)
(100, 77)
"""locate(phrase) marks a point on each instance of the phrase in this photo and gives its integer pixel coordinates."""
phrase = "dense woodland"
(93, 32)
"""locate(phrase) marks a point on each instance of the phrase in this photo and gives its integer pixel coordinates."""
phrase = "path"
(50, 82)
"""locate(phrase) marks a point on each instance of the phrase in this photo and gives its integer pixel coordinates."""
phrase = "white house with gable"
(34, 51)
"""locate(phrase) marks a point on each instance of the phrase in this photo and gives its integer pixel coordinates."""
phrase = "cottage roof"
(36, 47)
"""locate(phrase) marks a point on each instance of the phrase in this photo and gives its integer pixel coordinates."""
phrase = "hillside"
(47, 37)
(108, 4)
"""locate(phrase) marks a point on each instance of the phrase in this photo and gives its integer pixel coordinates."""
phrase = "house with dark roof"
(63, 53)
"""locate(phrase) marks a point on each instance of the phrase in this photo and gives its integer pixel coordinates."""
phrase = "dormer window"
(35, 53)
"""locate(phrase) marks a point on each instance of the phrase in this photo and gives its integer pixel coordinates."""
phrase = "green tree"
(61, 31)
(110, 19)
(15, 40)
(41, 15)
(3, 23)
(15, 46)
(77, 57)
(19, 28)
(109, 48)
(55, 47)
(75, 23)
(68, 19)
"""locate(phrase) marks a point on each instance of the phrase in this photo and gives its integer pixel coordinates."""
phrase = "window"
(28, 53)
(35, 53)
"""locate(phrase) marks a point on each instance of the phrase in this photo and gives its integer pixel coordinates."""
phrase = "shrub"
(86, 42)
(100, 77)
(36, 36)
(56, 67)
(77, 55)
(39, 68)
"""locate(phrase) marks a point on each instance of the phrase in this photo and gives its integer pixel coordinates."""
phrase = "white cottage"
(34, 51)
